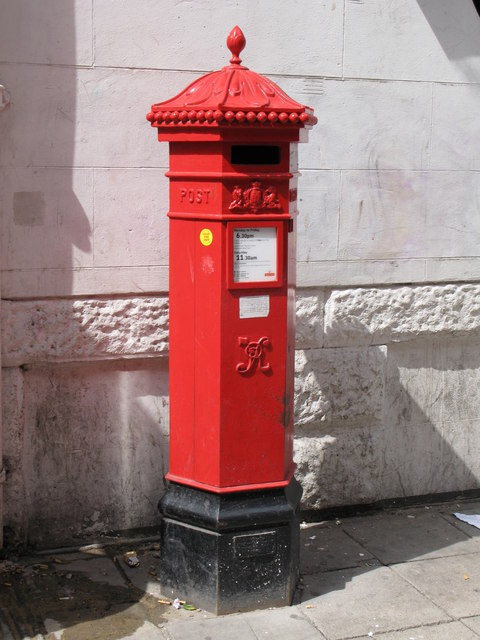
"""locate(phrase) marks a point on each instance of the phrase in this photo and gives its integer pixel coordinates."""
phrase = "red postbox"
(230, 528)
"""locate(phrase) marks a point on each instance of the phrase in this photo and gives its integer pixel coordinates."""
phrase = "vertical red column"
(230, 514)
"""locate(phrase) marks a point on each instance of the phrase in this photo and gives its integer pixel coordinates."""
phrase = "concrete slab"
(225, 628)
(282, 624)
(110, 233)
(424, 231)
(409, 535)
(78, 599)
(147, 631)
(454, 127)
(118, 624)
(51, 35)
(415, 43)
(446, 631)
(453, 583)
(142, 48)
(144, 577)
(473, 624)
(94, 568)
(384, 116)
(463, 506)
(352, 602)
(88, 595)
(472, 507)
(31, 220)
(325, 547)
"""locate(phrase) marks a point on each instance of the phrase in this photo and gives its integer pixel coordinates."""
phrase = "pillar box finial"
(236, 43)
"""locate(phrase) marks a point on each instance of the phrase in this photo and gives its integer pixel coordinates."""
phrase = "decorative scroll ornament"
(254, 198)
(255, 353)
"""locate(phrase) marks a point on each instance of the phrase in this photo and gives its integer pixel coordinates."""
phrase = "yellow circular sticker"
(206, 237)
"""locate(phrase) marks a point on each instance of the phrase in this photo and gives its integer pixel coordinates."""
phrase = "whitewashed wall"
(388, 357)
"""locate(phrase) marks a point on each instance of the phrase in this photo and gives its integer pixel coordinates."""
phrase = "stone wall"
(384, 403)
(390, 176)
(388, 262)
(387, 401)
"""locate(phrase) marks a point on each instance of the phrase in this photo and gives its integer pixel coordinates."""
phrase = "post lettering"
(195, 196)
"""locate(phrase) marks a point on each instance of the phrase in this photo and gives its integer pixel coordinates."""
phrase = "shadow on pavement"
(94, 594)
(81, 596)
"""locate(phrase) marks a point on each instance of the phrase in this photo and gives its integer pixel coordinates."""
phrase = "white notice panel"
(254, 306)
(255, 254)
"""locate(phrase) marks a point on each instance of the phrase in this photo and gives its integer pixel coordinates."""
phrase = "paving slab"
(346, 592)
(145, 575)
(473, 624)
(453, 583)
(115, 625)
(95, 568)
(325, 547)
(448, 631)
(409, 535)
(355, 602)
(282, 624)
(471, 508)
(233, 627)
(147, 631)
(79, 599)
(463, 506)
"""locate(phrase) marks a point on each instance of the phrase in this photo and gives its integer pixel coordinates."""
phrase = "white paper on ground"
(470, 519)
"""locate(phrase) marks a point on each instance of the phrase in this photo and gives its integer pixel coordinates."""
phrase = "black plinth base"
(233, 552)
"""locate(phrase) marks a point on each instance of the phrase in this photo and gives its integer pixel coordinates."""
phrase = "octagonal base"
(230, 553)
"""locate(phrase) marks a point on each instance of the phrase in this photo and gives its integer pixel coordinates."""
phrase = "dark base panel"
(235, 556)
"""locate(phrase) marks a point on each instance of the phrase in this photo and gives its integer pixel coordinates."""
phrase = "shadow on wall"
(456, 26)
(391, 421)
(46, 205)
(85, 441)
(97, 449)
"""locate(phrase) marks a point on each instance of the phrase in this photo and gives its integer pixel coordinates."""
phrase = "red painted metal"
(233, 190)
(233, 96)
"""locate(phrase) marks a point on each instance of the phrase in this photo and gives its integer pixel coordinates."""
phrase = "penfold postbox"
(230, 512)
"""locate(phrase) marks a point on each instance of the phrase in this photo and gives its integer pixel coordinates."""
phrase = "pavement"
(410, 574)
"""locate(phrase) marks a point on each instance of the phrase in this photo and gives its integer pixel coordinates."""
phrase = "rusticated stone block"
(337, 386)
(381, 315)
(72, 330)
(340, 469)
(309, 332)
(80, 329)
(425, 443)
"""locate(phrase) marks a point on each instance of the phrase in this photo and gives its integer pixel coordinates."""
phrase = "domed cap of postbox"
(231, 97)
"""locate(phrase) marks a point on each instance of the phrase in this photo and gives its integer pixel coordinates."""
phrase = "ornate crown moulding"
(210, 117)
(232, 96)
